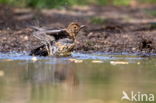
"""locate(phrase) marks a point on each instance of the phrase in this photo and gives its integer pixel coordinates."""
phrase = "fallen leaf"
(2, 73)
(118, 62)
(97, 61)
(138, 63)
(76, 60)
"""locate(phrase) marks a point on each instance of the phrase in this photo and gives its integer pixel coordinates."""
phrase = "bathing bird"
(56, 42)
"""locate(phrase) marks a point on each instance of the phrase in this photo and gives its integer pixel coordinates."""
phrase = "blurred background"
(58, 3)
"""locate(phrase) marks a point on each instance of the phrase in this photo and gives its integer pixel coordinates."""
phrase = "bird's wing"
(43, 37)
(46, 35)
(53, 32)
(49, 31)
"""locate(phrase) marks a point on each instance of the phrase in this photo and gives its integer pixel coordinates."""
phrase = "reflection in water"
(40, 73)
(56, 80)
(29, 80)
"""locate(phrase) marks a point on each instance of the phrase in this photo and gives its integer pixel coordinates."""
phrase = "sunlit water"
(81, 78)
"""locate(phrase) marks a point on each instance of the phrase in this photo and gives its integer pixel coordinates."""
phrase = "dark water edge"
(78, 55)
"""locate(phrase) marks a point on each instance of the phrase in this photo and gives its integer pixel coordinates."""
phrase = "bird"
(62, 47)
(59, 42)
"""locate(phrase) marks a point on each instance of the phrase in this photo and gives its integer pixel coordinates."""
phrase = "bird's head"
(73, 29)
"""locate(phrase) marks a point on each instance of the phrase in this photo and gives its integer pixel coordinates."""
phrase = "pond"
(81, 78)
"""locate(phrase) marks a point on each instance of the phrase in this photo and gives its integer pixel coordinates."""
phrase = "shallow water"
(81, 78)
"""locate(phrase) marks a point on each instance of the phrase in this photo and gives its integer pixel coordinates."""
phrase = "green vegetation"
(122, 2)
(153, 25)
(59, 3)
(148, 1)
(43, 3)
(151, 12)
(97, 20)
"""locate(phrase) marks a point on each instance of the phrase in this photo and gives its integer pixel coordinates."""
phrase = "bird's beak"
(82, 26)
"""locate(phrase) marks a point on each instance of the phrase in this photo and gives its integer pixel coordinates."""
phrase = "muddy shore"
(109, 28)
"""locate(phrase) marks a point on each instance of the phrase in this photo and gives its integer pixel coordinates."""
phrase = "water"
(81, 78)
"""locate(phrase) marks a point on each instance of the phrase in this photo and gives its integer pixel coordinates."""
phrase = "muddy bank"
(109, 29)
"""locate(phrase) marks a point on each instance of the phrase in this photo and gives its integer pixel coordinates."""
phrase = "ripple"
(75, 55)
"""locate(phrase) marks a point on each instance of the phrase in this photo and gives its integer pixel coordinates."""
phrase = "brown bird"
(54, 40)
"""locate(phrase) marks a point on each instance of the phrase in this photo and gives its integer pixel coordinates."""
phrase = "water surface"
(95, 79)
